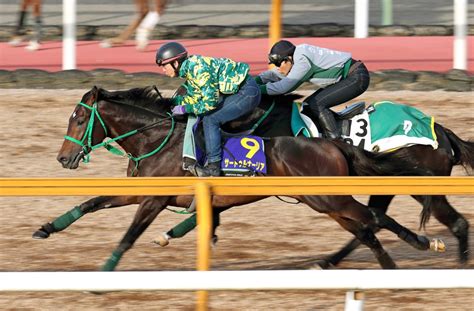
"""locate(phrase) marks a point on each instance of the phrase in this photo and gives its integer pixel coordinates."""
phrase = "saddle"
(350, 111)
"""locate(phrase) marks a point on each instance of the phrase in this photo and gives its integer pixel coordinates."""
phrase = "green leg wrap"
(113, 261)
(64, 221)
(183, 227)
(189, 224)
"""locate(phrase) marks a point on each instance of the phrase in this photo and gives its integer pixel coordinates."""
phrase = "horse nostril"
(62, 159)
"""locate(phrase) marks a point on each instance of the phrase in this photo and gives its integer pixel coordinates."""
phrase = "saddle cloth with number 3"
(381, 127)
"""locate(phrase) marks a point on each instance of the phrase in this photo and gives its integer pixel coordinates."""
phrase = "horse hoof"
(162, 240)
(437, 245)
(321, 264)
(40, 234)
(214, 240)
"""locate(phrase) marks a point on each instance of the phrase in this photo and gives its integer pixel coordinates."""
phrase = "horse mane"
(148, 98)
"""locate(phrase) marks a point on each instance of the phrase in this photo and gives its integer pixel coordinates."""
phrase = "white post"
(460, 31)
(361, 19)
(69, 34)
(354, 301)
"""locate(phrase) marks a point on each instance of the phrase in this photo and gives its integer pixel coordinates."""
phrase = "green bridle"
(87, 148)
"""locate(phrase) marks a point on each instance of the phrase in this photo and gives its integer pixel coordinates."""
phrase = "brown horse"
(138, 120)
(440, 162)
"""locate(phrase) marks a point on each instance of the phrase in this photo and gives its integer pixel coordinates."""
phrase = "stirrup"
(190, 165)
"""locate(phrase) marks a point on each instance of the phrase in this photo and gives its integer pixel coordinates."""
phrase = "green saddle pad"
(395, 125)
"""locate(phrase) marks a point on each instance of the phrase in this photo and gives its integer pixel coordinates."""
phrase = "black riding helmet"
(280, 52)
(170, 52)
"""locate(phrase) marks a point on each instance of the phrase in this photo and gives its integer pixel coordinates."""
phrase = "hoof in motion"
(437, 245)
(321, 264)
(162, 239)
(214, 240)
(40, 234)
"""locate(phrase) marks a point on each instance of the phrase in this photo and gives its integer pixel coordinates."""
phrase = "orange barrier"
(203, 188)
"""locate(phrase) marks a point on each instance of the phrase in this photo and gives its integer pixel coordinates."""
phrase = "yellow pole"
(204, 221)
(275, 22)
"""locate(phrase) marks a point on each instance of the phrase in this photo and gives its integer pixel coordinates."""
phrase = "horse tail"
(463, 151)
(364, 163)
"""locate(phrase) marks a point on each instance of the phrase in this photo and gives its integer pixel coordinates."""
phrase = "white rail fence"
(237, 280)
(352, 280)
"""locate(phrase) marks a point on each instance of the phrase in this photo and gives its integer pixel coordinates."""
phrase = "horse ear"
(155, 89)
(95, 93)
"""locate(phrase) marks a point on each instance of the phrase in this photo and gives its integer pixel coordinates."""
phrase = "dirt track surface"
(266, 235)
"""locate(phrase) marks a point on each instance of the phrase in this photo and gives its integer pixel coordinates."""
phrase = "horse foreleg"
(186, 226)
(92, 205)
(367, 237)
(381, 202)
(149, 208)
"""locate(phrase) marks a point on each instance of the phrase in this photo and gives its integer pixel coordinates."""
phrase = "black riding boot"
(328, 124)
(211, 169)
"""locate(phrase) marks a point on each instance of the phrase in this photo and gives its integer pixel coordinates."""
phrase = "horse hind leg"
(417, 241)
(380, 202)
(367, 237)
(90, 206)
(353, 217)
(445, 213)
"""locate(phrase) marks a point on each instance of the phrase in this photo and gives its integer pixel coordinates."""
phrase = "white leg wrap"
(146, 26)
(150, 20)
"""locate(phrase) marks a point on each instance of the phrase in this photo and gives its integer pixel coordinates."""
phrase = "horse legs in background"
(149, 208)
(142, 10)
(148, 24)
(90, 206)
(143, 25)
(19, 34)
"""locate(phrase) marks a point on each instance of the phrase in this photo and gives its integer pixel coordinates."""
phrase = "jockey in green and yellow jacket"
(207, 78)
(217, 89)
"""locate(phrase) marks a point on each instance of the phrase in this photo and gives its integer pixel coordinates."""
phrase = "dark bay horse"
(139, 121)
(452, 151)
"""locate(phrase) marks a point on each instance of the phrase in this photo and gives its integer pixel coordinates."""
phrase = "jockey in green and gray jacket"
(218, 89)
(339, 77)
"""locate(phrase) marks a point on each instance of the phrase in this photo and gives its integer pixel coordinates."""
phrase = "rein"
(87, 148)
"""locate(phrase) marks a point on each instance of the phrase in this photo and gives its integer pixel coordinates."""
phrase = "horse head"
(81, 132)
(102, 114)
